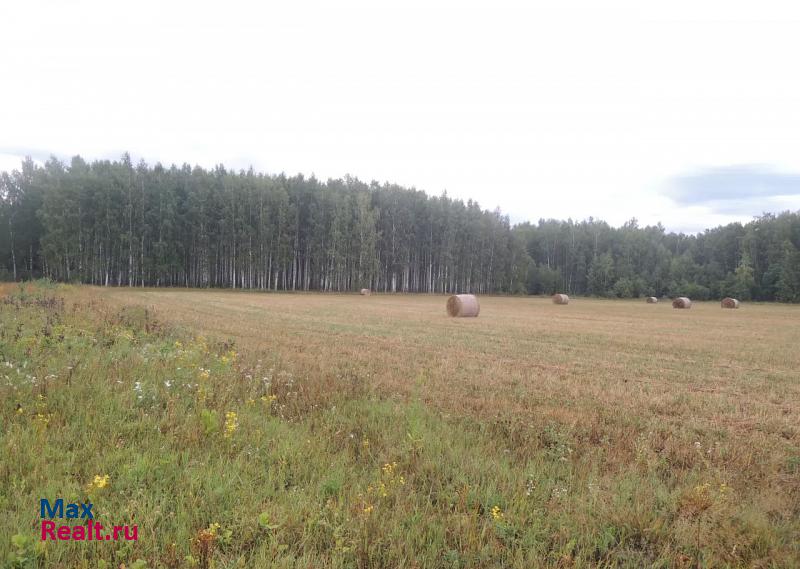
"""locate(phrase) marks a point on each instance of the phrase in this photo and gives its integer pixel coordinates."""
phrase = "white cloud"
(544, 109)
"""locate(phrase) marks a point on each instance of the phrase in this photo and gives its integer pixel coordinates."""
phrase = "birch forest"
(115, 223)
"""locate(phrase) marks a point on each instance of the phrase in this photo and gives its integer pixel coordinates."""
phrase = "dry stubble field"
(598, 434)
(731, 372)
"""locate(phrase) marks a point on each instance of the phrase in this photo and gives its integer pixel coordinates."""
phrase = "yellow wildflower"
(368, 509)
(178, 345)
(268, 399)
(497, 513)
(99, 482)
(702, 489)
(204, 373)
(231, 424)
(389, 479)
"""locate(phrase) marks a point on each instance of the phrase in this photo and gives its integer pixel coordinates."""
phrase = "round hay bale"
(462, 305)
(682, 302)
(560, 299)
(652, 300)
(729, 302)
(365, 292)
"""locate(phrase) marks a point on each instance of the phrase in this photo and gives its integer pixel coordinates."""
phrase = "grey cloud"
(742, 189)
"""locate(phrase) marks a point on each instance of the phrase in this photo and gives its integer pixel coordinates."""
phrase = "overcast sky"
(682, 112)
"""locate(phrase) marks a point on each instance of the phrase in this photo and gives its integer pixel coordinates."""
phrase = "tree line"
(113, 223)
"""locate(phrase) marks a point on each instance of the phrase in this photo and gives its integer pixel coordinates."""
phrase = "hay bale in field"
(560, 299)
(463, 305)
(365, 292)
(652, 300)
(729, 302)
(682, 302)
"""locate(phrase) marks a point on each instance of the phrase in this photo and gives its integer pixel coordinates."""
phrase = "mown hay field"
(378, 432)
(703, 368)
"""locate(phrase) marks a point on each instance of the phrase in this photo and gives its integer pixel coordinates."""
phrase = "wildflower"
(702, 489)
(205, 373)
(368, 509)
(365, 443)
(213, 529)
(178, 345)
(269, 399)
(497, 513)
(231, 424)
(99, 482)
(251, 401)
(43, 419)
(388, 480)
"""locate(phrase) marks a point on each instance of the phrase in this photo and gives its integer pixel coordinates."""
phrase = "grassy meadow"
(318, 430)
